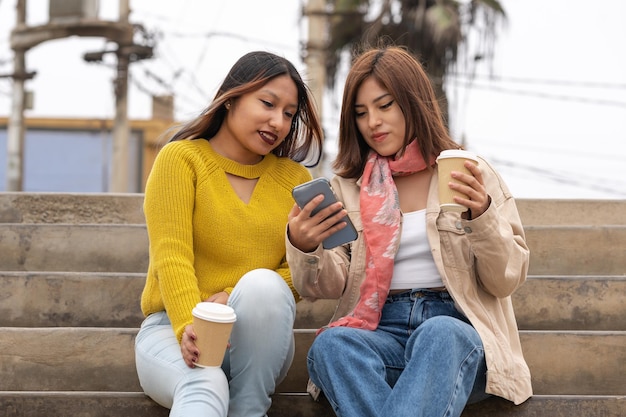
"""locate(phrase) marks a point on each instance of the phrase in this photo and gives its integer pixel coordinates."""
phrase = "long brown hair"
(251, 72)
(403, 76)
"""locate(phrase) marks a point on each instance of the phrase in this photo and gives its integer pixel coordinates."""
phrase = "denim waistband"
(412, 295)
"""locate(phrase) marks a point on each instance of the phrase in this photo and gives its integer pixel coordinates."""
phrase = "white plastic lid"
(457, 153)
(216, 312)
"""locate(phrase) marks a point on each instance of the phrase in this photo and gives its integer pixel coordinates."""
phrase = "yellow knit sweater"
(203, 237)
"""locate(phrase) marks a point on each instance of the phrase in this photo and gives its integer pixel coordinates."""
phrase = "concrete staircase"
(72, 269)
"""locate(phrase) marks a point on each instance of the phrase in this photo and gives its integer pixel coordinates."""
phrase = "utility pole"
(121, 130)
(120, 32)
(15, 129)
(315, 57)
(127, 52)
(315, 54)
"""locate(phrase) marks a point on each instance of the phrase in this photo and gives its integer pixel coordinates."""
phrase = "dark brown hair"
(403, 76)
(251, 72)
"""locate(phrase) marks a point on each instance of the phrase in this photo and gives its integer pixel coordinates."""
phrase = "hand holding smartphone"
(304, 193)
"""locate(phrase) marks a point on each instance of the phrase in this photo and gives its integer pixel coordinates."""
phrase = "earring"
(227, 105)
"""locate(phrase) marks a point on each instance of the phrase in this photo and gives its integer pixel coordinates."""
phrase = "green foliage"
(433, 30)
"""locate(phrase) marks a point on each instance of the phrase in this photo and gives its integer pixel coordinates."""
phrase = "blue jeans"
(260, 354)
(424, 359)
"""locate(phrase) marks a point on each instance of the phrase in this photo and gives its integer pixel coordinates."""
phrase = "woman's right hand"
(307, 232)
(188, 346)
(220, 297)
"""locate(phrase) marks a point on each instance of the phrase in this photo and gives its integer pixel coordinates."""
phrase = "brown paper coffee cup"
(212, 323)
(448, 161)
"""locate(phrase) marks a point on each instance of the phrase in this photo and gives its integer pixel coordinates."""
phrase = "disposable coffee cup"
(212, 323)
(448, 161)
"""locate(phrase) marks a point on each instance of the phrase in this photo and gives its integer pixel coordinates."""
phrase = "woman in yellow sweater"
(216, 205)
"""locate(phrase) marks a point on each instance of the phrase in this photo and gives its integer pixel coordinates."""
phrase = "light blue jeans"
(260, 354)
(423, 360)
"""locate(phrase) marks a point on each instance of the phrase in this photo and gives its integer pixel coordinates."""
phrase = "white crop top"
(414, 266)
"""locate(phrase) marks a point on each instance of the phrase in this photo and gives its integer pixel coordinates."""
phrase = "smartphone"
(304, 193)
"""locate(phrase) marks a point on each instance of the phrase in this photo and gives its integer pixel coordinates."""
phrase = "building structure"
(76, 154)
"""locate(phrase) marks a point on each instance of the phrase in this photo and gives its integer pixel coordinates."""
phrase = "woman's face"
(379, 118)
(259, 121)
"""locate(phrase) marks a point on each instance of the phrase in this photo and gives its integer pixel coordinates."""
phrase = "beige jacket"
(481, 261)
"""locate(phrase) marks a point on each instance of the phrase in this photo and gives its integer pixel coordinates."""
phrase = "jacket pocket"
(455, 246)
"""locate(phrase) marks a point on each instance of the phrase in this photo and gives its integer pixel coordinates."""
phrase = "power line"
(194, 82)
(178, 70)
(158, 80)
(169, 85)
(142, 88)
(229, 35)
(552, 82)
(602, 102)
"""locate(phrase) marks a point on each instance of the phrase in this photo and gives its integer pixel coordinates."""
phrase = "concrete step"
(553, 212)
(551, 406)
(571, 303)
(71, 299)
(577, 250)
(23, 207)
(86, 366)
(576, 362)
(78, 403)
(563, 250)
(102, 359)
(68, 359)
(69, 247)
(77, 208)
(107, 404)
(74, 299)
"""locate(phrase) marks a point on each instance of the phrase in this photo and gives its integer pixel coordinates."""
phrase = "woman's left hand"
(188, 347)
(473, 187)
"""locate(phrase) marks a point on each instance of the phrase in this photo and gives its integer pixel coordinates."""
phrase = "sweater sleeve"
(169, 203)
(297, 175)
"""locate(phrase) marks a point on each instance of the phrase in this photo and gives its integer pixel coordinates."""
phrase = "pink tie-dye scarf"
(380, 214)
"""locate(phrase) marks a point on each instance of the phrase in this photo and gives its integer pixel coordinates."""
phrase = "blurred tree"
(439, 33)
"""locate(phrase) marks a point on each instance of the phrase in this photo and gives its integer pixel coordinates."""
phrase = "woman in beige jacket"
(424, 323)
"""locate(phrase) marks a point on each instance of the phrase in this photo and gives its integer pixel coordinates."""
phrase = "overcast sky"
(552, 117)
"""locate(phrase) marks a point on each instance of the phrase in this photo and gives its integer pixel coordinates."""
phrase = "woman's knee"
(331, 342)
(449, 327)
(444, 335)
(262, 283)
(262, 288)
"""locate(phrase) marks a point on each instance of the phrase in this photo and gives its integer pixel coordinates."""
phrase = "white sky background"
(552, 120)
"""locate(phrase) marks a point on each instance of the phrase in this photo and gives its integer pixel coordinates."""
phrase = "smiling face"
(258, 122)
(379, 118)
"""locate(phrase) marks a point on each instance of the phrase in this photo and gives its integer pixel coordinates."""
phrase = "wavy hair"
(403, 76)
(251, 72)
